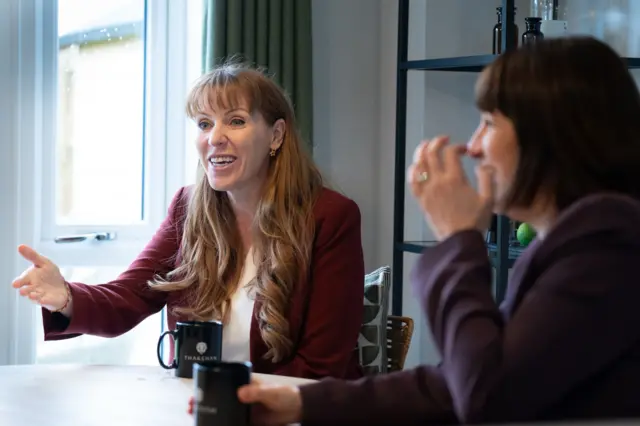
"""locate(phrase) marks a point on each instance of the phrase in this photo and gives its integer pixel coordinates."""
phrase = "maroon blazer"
(326, 309)
(565, 344)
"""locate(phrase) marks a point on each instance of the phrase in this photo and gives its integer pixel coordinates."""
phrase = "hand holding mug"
(273, 405)
(42, 282)
(449, 202)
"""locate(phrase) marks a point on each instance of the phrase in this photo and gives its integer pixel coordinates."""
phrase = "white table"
(94, 395)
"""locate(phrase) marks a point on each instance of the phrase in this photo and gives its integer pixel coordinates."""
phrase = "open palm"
(42, 282)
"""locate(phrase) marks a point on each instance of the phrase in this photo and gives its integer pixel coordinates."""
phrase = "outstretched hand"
(42, 282)
(449, 202)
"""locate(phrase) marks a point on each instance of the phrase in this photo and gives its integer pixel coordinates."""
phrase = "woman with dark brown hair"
(258, 243)
(558, 146)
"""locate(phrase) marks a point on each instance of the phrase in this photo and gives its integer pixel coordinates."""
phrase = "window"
(101, 110)
(96, 175)
(108, 79)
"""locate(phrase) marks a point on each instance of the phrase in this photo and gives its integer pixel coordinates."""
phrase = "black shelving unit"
(501, 253)
(502, 256)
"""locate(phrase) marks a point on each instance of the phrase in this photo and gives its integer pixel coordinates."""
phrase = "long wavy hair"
(212, 255)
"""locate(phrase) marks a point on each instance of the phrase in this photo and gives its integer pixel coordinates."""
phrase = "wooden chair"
(399, 333)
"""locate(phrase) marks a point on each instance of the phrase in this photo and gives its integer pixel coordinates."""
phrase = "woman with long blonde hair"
(258, 243)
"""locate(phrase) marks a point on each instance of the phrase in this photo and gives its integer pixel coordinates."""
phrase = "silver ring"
(423, 176)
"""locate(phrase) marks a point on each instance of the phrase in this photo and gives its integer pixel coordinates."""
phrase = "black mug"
(194, 341)
(216, 393)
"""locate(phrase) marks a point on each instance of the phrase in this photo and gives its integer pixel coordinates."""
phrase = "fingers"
(417, 166)
(27, 287)
(27, 290)
(484, 175)
(250, 394)
(419, 152)
(431, 156)
(32, 256)
(451, 159)
(22, 280)
(435, 157)
(30, 282)
(255, 392)
(32, 292)
(36, 296)
(413, 179)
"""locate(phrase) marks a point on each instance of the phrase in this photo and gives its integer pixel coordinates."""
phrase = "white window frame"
(155, 153)
(28, 43)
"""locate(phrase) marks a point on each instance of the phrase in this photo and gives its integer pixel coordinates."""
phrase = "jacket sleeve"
(572, 322)
(411, 397)
(111, 309)
(336, 298)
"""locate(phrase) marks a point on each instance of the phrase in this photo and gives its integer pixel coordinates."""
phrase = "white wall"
(345, 90)
(354, 51)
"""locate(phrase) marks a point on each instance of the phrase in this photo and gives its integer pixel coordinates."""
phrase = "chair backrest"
(372, 342)
(399, 333)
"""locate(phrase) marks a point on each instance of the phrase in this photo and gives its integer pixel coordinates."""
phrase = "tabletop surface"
(95, 395)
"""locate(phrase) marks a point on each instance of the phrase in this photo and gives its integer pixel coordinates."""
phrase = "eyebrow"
(238, 109)
(231, 111)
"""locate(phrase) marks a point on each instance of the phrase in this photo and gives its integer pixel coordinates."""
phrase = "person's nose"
(474, 146)
(216, 136)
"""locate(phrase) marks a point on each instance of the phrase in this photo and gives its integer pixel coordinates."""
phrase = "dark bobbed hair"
(576, 112)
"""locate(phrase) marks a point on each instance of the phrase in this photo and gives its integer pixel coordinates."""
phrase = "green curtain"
(274, 34)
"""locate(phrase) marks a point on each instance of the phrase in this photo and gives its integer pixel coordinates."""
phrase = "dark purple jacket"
(565, 344)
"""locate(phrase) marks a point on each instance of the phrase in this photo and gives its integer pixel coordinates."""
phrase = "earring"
(272, 153)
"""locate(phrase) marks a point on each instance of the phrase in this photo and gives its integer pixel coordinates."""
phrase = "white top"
(235, 334)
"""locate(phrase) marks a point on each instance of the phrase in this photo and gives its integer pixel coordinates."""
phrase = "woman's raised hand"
(449, 202)
(42, 282)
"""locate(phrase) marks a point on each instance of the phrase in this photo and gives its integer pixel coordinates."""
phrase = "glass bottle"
(514, 29)
(545, 9)
(497, 32)
(532, 33)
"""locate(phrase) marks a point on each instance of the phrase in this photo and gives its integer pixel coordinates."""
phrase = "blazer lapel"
(521, 280)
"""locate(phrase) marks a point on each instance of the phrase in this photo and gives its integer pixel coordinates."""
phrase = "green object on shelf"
(525, 234)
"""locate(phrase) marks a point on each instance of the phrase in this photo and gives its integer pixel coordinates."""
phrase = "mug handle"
(174, 363)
